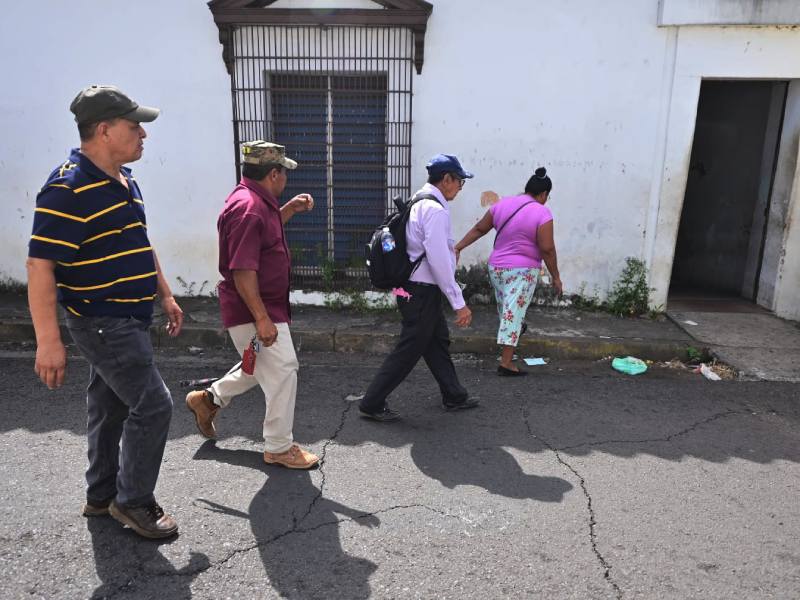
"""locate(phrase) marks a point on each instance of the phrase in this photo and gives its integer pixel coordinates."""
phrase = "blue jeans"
(129, 409)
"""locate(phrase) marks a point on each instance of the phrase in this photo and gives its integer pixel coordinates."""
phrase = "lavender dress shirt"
(428, 231)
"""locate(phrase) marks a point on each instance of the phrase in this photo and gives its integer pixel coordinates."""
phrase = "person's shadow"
(463, 450)
(490, 467)
(124, 561)
(309, 563)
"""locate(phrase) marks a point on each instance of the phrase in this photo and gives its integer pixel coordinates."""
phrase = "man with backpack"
(425, 333)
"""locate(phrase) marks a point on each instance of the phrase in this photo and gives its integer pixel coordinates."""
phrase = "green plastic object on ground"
(629, 365)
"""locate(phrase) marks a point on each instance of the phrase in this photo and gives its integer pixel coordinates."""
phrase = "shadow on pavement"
(577, 410)
(126, 562)
(297, 531)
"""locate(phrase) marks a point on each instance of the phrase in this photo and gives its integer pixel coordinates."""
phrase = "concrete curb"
(332, 340)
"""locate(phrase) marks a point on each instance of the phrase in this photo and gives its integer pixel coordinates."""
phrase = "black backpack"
(392, 269)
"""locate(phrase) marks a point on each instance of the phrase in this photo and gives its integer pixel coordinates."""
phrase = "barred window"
(339, 99)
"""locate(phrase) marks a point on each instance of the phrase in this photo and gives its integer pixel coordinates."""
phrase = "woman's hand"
(558, 286)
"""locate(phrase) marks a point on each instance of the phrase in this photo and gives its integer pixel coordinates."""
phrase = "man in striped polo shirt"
(90, 253)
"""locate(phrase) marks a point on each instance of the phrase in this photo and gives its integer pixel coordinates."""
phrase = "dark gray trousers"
(129, 409)
(424, 334)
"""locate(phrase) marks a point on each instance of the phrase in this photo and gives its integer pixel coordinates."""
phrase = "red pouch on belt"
(249, 357)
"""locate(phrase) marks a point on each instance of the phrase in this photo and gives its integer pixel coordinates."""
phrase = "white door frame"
(694, 54)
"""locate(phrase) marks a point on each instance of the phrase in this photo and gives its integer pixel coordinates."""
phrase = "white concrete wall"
(787, 300)
(783, 190)
(163, 54)
(729, 12)
(573, 85)
(596, 92)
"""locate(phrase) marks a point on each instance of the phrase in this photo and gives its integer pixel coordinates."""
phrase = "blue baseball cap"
(447, 163)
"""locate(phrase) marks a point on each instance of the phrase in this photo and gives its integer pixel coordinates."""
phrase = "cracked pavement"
(576, 482)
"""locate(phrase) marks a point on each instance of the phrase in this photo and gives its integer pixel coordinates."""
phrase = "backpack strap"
(496, 235)
(412, 201)
(418, 197)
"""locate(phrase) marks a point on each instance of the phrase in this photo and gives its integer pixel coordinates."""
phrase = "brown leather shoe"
(147, 521)
(294, 458)
(96, 509)
(204, 409)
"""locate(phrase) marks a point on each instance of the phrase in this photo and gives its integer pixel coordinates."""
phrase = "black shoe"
(385, 414)
(147, 521)
(464, 404)
(503, 372)
(524, 329)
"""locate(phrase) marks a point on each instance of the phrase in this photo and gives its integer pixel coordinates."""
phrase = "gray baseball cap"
(102, 102)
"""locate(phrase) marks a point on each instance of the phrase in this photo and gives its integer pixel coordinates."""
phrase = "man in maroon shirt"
(254, 301)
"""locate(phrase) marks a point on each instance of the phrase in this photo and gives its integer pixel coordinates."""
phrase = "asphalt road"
(576, 482)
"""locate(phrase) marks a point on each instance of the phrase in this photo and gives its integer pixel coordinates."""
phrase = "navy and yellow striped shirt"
(95, 230)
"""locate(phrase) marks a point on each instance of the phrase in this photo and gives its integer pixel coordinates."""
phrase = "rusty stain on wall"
(489, 198)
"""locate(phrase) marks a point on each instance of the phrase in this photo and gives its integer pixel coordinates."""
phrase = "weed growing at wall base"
(12, 286)
(358, 302)
(630, 296)
(188, 288)
(477, 287)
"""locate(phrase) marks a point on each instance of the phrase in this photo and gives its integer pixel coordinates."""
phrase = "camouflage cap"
(260, 152)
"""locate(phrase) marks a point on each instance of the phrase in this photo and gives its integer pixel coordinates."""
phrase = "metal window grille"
(339, 99)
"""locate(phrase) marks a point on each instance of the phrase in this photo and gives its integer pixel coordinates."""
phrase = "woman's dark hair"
(258, 172)
(538, 183)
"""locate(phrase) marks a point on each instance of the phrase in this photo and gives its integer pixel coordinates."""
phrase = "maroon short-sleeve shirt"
(251, 238)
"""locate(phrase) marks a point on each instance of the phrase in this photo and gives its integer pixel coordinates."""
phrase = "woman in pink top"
(524, 238)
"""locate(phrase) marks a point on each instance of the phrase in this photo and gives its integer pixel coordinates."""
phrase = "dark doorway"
(720, 246)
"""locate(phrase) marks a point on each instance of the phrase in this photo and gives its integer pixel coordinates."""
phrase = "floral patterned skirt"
(513, 290)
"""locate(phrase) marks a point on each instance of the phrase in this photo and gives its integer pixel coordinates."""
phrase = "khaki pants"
(276, 373)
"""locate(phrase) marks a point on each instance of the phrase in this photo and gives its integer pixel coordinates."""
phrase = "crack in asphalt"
(323, 454)
(295, 529)
(669, 438)
(191, 573)
(592, 520)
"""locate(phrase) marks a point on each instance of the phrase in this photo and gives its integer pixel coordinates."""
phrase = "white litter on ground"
(532, 362)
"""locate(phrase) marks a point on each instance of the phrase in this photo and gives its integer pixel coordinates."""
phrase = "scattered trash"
(629, 365)
(354, 397)
(706, 371)
(604, 337)
(194, 350)
(465, 359)
(534, 362)
(675, 364)
(690, 322)
(725, 372)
